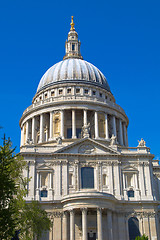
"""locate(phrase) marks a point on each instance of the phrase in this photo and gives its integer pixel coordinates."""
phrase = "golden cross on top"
(72, 24)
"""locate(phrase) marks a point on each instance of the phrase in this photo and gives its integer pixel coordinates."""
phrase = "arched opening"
(133, 225)
(87, 177)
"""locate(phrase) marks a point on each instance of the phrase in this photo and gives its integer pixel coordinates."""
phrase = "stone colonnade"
(29, 129)
(69, 216)
(109, 225)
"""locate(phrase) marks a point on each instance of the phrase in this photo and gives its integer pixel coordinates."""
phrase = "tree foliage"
(144, 237)
(15, 213)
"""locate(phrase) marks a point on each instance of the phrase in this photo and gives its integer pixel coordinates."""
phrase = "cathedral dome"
(73, 70)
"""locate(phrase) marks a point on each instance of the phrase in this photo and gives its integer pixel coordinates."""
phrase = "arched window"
(104, 180)
(87, 177)
(133, 225)
(70, 179)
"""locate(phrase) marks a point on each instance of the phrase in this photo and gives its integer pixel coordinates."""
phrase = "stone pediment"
(129, 168)
(44, 167)
(87, 146)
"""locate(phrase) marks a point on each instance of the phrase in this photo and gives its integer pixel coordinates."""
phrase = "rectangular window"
(130, 193)
(60, 91)
(87, 177)
(77, 90)
(45, 95)
(44, 193)
(52, 93)
(73, 47)
(100, 94)
(94, 93)
(86, 91)
(69, 90)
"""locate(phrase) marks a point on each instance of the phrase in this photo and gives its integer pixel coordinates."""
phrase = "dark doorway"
(91, 236)
(133, 225)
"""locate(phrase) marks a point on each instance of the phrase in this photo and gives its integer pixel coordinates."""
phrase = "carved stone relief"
(86, 149)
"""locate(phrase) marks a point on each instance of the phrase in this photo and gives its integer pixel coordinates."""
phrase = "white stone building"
(74, 140)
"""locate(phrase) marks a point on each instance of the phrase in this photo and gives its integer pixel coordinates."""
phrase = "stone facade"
(74, 140)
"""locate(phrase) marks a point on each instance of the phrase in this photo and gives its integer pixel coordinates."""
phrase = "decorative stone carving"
(29, 141)
(87, 149)
(59, 140)
(86, 130)
(113, 140)
(142, 143)
(55, 214)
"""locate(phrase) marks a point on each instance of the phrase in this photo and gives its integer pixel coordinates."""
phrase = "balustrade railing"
(73, 97)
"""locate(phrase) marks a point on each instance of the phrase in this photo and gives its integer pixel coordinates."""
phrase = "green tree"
(144, 237)
(15, 213)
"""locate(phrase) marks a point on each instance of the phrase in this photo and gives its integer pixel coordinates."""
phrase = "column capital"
(84, 210)
(65, 213)
(99, 210)
(71, 211)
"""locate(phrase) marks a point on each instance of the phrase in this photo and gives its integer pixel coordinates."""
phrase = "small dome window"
(69, 90)
(130, 193)
(44, 193)
(86, 91)
(60, 91)
(73, 47)
(70, 179)
(52, 93)
(45, 95)
(94, 93)
(100, 94)
(77, 90)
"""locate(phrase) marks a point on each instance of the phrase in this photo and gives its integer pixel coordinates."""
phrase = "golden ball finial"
(72, 24)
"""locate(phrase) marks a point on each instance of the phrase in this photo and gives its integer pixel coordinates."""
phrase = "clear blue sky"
(121, 38)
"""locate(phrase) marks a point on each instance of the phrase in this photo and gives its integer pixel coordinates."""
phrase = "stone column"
(33, 129)
(125, 134)
(27, 131)
(84, 117)
(146, 226)
(37, 187)
(121, 226)
(148, 180)
(31, 169)
(120, 132)
(62, 124)
(96, 125)
(153, 227)
(114, 125)
(65, 223)
(142, 180)
(136, 186)
(115, 225)
(109, 223)
(99, 224)
(117, 180)
(84, 224)
(106, 126)
(51, 126)
(72, 225)
(40, 180)
(110, 172)
(41, 128)
(73, 124)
